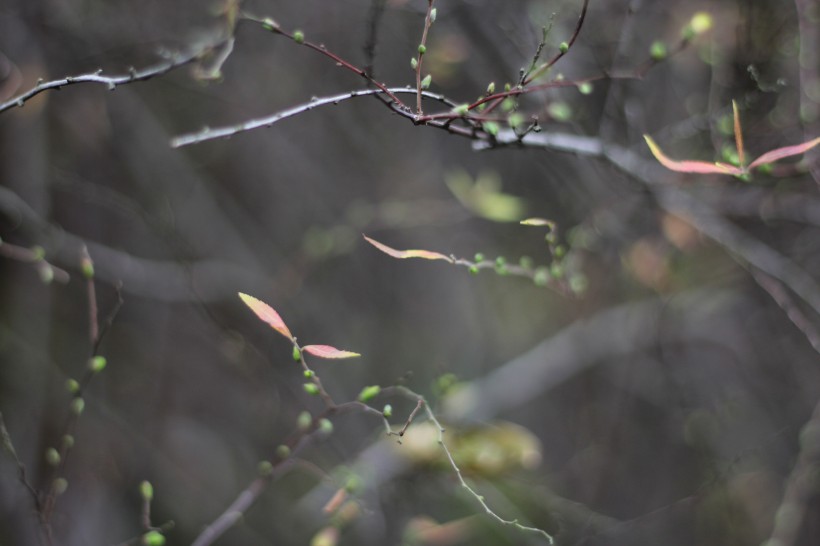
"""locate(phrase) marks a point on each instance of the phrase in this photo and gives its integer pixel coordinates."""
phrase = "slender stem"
(420, 58)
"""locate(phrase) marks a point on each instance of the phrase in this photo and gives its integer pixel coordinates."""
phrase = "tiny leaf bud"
(369, 393)
(146, 491)
(298, 36)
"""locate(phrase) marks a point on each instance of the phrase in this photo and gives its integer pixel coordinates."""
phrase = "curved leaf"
(788, 151)
(326, 351)
(266, 314)
(402, 254)
(698, 167)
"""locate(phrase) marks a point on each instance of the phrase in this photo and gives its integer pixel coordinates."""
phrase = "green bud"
(59, 486)
(353, 484)
(39, 252)
(501, 269)
(387, 411)
(325, 426)
(72, 386)
(414, 63)
(298, 36)
(578, 283)
(701, 22)
(491, 88)
(559, 111)
(68, 441)
(658, 50)
(270, 24)
(97, 363)
(304, 421)
(557, 270)
(560, 251)
(264, 469)
(311, 388)
(283, 451)
(146, 491)
(507, 87)
(297, 354)
(153, 538)
(46, 273)
(491, 127)
(585, 88)
(563, 47)
(508, 104)
(515, 119)
(501, 260)
(369, 393)
(433, 13)
(77, 406)
(479, 257)
(308, 374)
(525, 262)
(461, 109)
(473, 270)
(425, 83)
(541, 276)
(87, 268)
(422, 49)
(53, 457)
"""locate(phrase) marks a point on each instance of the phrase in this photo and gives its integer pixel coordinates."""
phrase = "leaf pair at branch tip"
(268, 315)
(703, 167)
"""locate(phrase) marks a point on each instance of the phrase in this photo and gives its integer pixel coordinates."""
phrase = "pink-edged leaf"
(326, 351)
(401, 254)
(266, 314)
(741, 155)
(788, 151)
(698, 167)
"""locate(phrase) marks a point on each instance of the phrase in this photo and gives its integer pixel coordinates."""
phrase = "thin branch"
(778, 293)
(35, 256)
(8, 446)
(563, 51)
(420, 58)
(223, 132)
(175, 60)
(374, 18)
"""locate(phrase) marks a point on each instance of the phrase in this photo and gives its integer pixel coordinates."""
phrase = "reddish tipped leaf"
(402, 254)
(326, 351)
(266, 313)
(788, 151)
(698, 167)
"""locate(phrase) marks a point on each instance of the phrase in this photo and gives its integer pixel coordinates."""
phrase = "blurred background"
(663, 399)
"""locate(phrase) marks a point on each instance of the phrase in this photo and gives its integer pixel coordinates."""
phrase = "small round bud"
(298, 36)
(557, 270)
(153, 538)
(304, 421)
(701, 22)
(585, 88)
(507, 87)
(146, 491)
(658, 50)
(311, 388)
(72, 386)
(59, 486)
(308, 374)
(325, 426)
(473, 270)
(297, 354)
(270, 24)
(283, 451)
(38, 252)
(97, 363)
(414, 63)
(68, 441)
(387, 411)
(77, 406)
(264, 469)
(53, 457)
(501, 260)
(491, 88)
(369, 393)
(525, 262)
(563, 47)
(491, 128)
(422, 49)
(461, 109)
(541, 276)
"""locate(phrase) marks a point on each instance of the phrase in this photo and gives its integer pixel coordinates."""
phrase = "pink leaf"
(425, 254)
(741, 156)
(788, 151)
(699, 167)
(266, 313)
(326, 351)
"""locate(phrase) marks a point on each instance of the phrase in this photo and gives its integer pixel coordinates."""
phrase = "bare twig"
(35, 256)
(533, 74)
(8, 446)
(111, 82)
(420, 55)
(374, 18)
